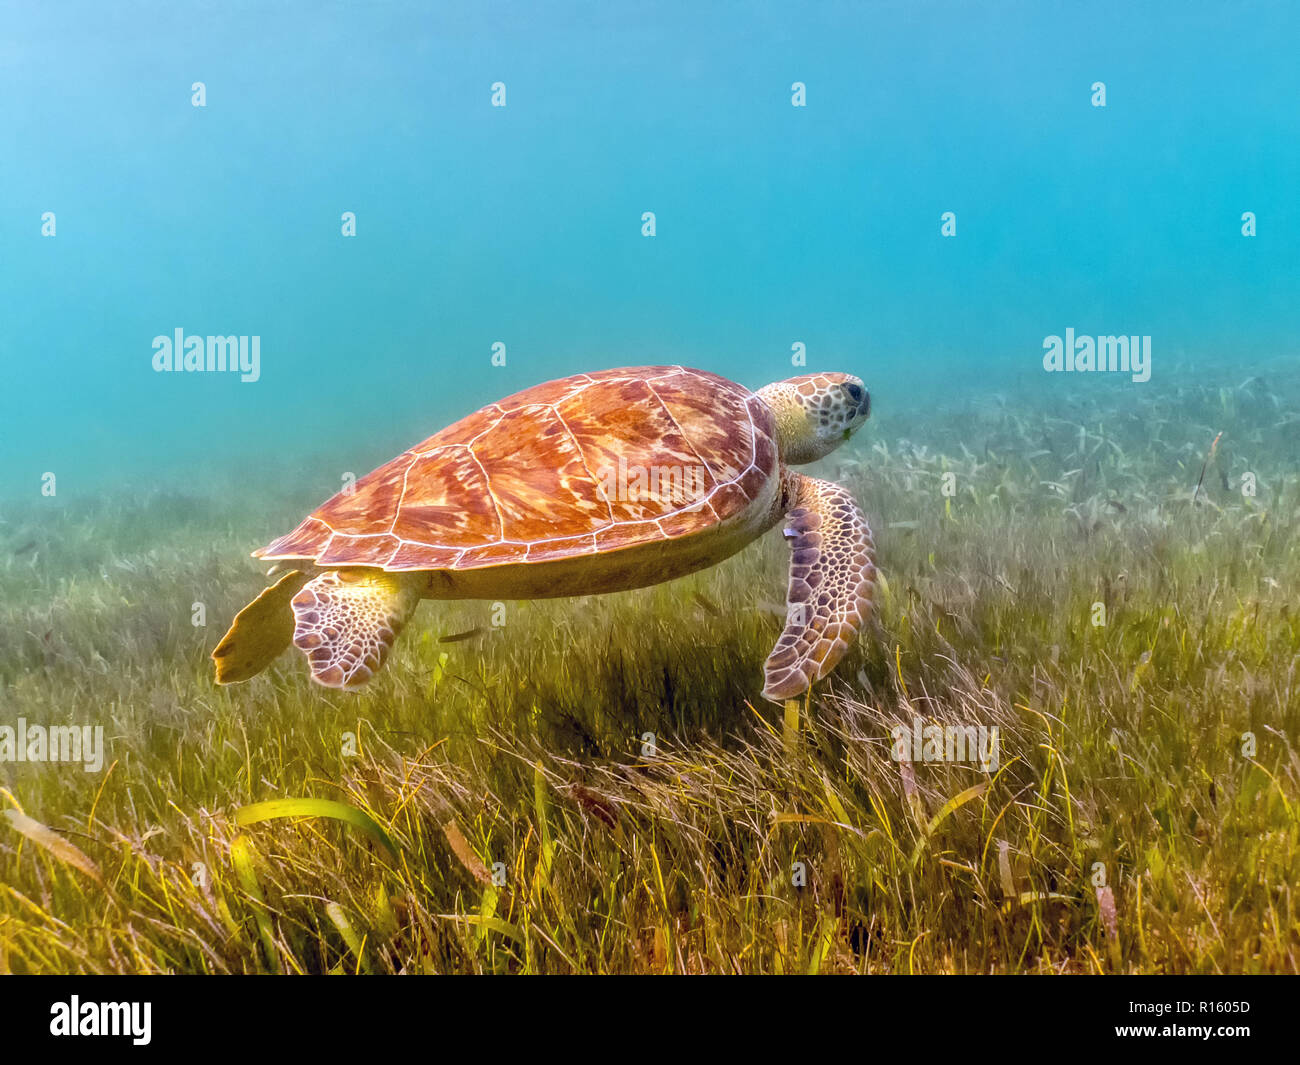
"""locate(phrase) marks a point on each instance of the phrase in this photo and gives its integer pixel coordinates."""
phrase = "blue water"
(476, 224)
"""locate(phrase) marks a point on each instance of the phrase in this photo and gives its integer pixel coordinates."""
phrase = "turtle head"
(815, 413)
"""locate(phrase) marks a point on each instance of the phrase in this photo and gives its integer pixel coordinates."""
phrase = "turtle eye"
(860, 397)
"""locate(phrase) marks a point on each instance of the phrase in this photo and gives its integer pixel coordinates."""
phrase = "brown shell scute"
(525, 479)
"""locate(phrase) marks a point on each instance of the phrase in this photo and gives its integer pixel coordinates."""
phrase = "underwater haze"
(1052, 728)
(783, 216)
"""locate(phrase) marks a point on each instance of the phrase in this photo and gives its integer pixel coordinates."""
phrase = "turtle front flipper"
(345, 621)
(259, 633)
(832, 574)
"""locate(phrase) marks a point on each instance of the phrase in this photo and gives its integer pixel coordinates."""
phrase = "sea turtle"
(598, 482)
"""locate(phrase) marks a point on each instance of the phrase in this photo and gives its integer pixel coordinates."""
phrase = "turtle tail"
(259, 633)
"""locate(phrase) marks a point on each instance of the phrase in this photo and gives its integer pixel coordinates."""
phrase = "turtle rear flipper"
(259, 633)
(345, 621)
(832, 574)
